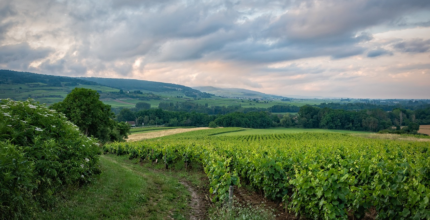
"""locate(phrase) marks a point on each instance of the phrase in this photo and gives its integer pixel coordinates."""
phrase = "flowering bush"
(40, 152)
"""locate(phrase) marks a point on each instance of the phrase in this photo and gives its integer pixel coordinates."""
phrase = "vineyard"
(314, 175)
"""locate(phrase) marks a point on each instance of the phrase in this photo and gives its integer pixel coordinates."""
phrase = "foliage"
(83, 108)
(212, 124)
(143, 105)
(206, 109)
(246, 120)
(241, 212)
(40, 153)
(323, 175)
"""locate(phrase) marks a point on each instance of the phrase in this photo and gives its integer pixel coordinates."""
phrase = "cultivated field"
(313, 174)
(424, 129)
(286, 131)
(155, 134)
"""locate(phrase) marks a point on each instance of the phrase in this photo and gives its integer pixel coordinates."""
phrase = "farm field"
(313, 174)
(424, 129)
(285, 131)
(148, 129)
(159, 133)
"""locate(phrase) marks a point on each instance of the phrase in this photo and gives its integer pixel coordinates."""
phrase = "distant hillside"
(236, 93)
(150, 86)
(15, 77)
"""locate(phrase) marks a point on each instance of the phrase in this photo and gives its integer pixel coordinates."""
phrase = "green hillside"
(127, 92)
(167, 89)
(237, 93)
(43, 88)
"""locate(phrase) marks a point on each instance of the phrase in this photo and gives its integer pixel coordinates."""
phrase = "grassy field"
(285, 131)
(126, 190)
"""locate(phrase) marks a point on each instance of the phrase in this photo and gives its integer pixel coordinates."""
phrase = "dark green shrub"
(40, 153)
(212, 124)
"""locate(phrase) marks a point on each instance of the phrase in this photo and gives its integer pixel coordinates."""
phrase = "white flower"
(82, 176)
(9, 125)
(24, 121)
(53, 126)
(5, 106)
(6, 114)
(97, 144)
(32, 106)
(82, 166)
(83, 145)
(38, 129)
(87, 160)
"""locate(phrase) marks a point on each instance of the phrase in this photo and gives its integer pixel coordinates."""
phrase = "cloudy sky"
(326, 48)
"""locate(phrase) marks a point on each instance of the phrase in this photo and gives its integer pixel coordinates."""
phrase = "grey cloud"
(64, 66)
(347, 52)
(420, 66)
(110, 35)
(139, 3)
(6, 10)
(19, 56)
(413, 46)
(379, 52)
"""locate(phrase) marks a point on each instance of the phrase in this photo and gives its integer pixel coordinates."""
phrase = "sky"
(314, 48)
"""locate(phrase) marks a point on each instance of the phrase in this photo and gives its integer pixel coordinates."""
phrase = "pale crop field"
(424, 129)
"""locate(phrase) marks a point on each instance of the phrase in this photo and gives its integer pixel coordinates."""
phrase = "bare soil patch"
(155, 134)
(392, 137)
(424, 129)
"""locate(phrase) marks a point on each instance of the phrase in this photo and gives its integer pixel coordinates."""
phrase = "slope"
(150, 86)
(236, 93)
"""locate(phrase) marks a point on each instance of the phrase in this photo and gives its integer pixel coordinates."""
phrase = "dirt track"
(155, 134)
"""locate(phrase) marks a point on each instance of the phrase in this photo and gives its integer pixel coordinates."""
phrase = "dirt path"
(197, 209)
(155, 134)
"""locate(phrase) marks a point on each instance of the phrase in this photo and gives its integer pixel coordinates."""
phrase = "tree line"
(363, 120)
(307, 117)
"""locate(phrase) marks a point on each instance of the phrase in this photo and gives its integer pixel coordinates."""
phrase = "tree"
(413, 127)
(140, 121)
(83, 108)
(142, 105)
(212, 124)
(126, 115)
(94, 118)
(286, 121)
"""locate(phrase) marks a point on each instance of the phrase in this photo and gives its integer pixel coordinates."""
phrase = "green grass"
(125, 190)
(285, 131)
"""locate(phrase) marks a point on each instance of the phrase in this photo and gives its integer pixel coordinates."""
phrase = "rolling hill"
(236, 93)
(159, 88)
